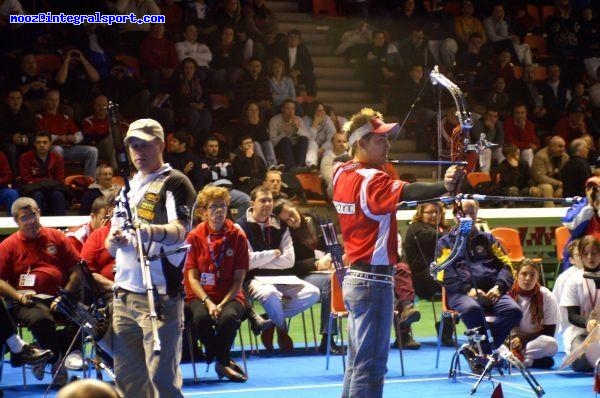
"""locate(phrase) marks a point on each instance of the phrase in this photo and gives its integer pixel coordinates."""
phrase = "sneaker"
(74, 361)
(60, 375)
(409, 315)
(30, 355)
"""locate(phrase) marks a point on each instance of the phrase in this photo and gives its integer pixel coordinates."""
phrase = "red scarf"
(537, 301)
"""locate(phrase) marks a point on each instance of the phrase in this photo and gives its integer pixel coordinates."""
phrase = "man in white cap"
(365, 198)
(160, 199)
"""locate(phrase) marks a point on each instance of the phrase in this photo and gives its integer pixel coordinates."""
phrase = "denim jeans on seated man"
(80, 153)
(323, 282)
(370, 306)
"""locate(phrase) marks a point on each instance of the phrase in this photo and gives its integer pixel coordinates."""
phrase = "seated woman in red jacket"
(214, 271)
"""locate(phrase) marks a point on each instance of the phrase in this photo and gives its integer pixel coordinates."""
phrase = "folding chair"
(314, 330)
(313, 188)
(338, 312)
(562, 235)
(446, 313)
(512, 243)
(478, 177)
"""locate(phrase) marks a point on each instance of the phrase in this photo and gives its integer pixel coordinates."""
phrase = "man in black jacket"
(181, 158)
(298, 61)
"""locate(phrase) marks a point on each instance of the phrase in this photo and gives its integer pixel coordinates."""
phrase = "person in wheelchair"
(477, 282)
(533, 341)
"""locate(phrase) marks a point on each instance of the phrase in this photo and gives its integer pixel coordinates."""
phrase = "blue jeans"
(239, 201)
(323, 282)
(370, 305)
(80, 153)
(507, 312)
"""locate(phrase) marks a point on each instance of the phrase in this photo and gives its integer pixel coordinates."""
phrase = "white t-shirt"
(578, 292)
(527, 327)
(557, 290)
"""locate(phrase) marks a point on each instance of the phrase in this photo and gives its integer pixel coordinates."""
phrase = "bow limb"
(462, 237)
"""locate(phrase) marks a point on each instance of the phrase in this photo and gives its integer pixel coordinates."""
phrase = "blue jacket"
(482, 264)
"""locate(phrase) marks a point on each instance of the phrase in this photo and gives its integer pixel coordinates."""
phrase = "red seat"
(324, 7)
(313, 188)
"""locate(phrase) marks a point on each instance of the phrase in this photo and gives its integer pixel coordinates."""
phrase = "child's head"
(528, 274)
(589, 250)
(574, 257)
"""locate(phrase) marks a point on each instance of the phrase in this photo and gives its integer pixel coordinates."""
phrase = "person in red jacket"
(43, 176)
(34, 263)
(66, 137)
(7, 193)
(215, 269)
(99, 260)
(158, 58)
(572, 125)
(99, 216)
(96, 132)
(520, 131)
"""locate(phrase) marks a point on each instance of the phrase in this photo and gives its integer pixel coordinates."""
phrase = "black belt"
(373, 269)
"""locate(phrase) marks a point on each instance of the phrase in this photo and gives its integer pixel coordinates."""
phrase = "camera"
(74, 54)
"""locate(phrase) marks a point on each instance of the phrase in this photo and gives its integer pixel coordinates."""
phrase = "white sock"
(15, 344)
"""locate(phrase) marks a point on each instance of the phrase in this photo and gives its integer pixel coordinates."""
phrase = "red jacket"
(522, 138)
(98, 259)
(32, 170)
(231, 257)
(6, 175)
(57, 124)
(158, 53)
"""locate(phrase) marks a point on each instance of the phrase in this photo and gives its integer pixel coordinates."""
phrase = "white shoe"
(74, 361)
(61, 376)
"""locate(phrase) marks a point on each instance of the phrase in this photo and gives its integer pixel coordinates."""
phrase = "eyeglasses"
(215, 207)
(431, 212)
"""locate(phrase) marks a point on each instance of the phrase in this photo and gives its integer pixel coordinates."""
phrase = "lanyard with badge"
(207, 277)
(27, 280)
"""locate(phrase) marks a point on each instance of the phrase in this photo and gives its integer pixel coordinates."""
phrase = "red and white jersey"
(365, 200)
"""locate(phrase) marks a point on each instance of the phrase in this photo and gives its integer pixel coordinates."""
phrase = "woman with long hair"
(533, 340)
(282, 86)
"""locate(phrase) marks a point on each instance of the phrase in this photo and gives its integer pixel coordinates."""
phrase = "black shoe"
(334, 349)
(30, 355)
(258, 324)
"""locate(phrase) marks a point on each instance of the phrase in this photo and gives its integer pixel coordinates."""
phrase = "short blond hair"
(210, 193)
(360, 119)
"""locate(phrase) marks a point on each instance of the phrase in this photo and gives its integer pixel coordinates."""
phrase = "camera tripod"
(484, 364)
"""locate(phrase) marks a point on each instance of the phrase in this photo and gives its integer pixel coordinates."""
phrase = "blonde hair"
(357, 120)
(210, 193)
